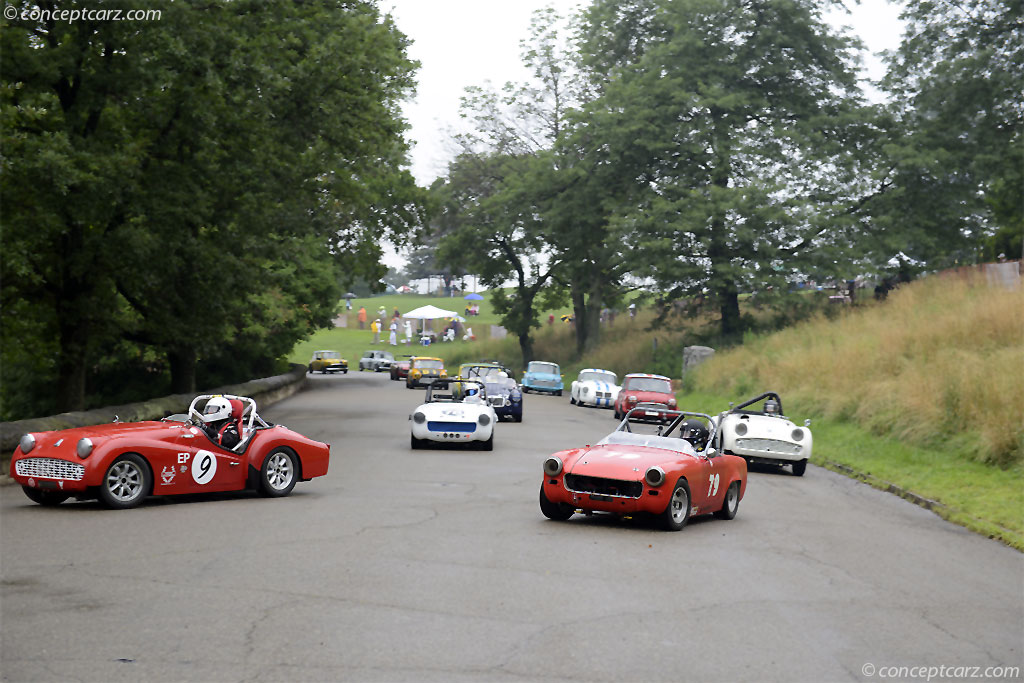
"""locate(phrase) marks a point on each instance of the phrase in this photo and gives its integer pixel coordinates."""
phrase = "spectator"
(361, 317)
(375, 328)
(393, 339)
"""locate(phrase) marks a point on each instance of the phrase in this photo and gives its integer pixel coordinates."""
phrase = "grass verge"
(985, 499)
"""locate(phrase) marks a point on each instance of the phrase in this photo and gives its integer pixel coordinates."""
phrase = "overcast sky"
(460, 43)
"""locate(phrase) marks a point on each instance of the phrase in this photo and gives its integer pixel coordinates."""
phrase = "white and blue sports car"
(595, 387)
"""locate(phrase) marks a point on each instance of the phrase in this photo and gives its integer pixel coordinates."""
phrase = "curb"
(1005, 536)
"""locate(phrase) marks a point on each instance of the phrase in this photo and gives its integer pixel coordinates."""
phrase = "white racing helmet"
(217, 408)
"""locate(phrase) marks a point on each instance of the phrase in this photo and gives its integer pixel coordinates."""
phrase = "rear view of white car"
(595, 387)
(446, 419)
(764, 435)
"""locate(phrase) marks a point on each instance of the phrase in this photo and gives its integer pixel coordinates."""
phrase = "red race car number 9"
(204, 466)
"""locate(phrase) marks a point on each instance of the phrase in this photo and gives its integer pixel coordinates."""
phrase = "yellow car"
(328, 361)
(423, 370)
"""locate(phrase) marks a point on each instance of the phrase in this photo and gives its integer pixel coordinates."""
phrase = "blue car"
(504, 396)
(543, 377)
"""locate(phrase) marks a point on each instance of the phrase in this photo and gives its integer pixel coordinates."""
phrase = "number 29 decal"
(204, 466)
(712, 484)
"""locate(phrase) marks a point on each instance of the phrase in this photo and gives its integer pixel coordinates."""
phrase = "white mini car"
(764, 435)
(446, 419)
(595, 387)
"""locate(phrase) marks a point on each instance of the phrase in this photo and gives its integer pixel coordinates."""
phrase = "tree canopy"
(191, 192)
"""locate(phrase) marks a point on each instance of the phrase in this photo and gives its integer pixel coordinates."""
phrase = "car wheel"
(416, 443)
(126, 482)
(487, 445)
(558, 393)
(556, 511)
(572, 400)
(526, 390)
(278, 474)
(45, 498)
(732, 502)
(799, 468)
(518, 417)
(344, 372)
(310, 370)
(677, 512)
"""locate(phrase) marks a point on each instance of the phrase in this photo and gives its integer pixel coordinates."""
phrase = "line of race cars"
(659, 461)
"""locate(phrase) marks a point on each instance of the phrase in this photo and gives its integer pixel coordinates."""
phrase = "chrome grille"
(496, 401)
(544, 383)
(578, 483)
(769, 446)
(50, 468)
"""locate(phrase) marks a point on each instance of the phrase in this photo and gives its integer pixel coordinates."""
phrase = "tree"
(957, 145)
(744, 133)
(198, 182)
(490, 223)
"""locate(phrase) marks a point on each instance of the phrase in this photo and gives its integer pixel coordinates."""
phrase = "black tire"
(799, 467)
(572, 400)
(486, 445)
(45, 498)
(310, 370)
(416, 444)
(556, 511)
(526, 390)
(677, 512)
(518, 417)
(344, 372)
(278, 473)
(731, 504)
(126, 483)
(558, 393)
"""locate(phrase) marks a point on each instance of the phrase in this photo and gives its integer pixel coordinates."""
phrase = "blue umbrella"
(473, 297)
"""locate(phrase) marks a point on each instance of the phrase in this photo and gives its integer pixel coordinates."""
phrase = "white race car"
(764, 435)
(595, 388)
(446, 419)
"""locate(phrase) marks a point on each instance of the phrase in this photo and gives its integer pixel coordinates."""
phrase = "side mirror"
(711, 452)
(807, 422)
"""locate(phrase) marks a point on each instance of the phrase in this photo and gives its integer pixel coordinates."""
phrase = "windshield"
(537, 366)
(648, 384)
(482, 371)
(330, 354)
(598, 377)
(429, 364)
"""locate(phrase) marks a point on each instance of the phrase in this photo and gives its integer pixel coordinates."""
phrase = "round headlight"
(798, 434)
(484, 420)
(415, 373)
(584, 391)
(419, 418)
(655, 476)
(27, 443)
(631, 399)
(84, 448)
(552, 466)
(741, 429)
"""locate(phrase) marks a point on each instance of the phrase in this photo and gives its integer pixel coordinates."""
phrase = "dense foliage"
(189, 194)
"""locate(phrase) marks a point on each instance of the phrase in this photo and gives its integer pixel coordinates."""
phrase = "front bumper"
(49, 474)
(618, 498)
(769, 451)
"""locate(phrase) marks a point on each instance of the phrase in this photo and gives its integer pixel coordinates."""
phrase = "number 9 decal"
(204, 466)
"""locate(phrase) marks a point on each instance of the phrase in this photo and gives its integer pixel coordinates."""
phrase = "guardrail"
(265, 391)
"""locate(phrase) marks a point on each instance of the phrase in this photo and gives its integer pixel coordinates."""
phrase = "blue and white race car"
(447, 418)
(543, 377)
(595, 387)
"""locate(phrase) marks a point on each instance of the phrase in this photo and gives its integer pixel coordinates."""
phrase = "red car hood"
(106, 431)
(618, 461)
(648, 396)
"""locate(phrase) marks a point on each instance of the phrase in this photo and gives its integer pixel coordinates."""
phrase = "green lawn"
(351, 341)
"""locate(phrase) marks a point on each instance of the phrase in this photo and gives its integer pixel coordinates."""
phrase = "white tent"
(429, 313)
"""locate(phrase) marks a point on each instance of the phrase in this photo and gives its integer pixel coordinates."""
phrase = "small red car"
(638, 388)
(400, 369)
(122, 463)
(669, 475)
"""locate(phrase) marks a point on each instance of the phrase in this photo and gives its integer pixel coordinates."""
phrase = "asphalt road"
(438, 566)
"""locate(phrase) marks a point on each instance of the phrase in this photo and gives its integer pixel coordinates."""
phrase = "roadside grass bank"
(985, 499)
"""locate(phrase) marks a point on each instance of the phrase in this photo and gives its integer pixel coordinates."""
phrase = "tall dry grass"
(940, 363)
